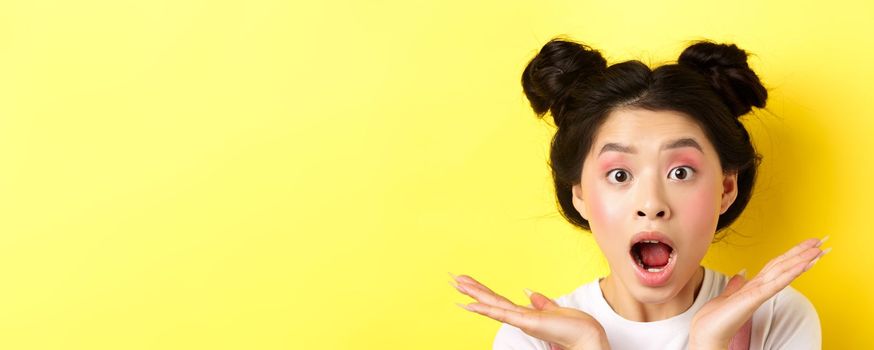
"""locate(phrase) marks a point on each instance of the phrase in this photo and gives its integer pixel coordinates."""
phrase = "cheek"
(607, 214)
(604, 207)
(701, 211)
(605, 220)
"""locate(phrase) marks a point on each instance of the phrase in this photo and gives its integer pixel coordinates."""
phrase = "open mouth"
(653, 256)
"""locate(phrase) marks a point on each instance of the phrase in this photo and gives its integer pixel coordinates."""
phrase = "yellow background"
(290, 175)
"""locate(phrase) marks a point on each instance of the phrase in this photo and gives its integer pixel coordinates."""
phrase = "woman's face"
(652, 189)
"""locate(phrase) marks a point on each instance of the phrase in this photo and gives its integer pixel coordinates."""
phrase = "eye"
(618, 176)
(682, 172)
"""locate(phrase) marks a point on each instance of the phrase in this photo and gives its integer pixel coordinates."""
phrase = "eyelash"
(692, 170)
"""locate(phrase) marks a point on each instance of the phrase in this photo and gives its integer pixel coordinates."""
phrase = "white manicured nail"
(464, 307)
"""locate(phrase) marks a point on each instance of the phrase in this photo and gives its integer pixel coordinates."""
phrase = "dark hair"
(710, 82)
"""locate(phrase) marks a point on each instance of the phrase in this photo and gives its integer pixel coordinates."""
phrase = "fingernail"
(463, 307)
(453, 283)
(821, 241)
(454, 277)
(528, 292)
(743, 272)
(459, 287)
(824, 252)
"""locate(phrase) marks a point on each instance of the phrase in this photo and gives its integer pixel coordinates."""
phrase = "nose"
(652, 202)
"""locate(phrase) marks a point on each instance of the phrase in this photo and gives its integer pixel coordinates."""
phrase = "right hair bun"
(729, 74)
(558, 66)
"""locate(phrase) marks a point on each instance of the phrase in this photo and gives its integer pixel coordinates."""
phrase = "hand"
(563, 328)
(719, 319)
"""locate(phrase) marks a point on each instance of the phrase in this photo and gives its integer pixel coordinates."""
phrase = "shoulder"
(788, 321)
(792, 306)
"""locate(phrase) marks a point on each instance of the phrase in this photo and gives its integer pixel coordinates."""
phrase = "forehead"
(648, 130)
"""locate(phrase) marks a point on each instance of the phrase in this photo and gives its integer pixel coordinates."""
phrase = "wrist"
(700, 339)
(696, 344)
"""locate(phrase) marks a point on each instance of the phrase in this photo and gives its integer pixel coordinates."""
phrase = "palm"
(560, 326)
(721, 318)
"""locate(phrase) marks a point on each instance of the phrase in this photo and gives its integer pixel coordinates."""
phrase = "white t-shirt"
(786, 321)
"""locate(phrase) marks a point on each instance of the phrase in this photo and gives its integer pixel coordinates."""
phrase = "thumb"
(735, 283)
(540, 301)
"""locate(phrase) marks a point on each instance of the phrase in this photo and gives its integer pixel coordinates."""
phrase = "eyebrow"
(684, 142)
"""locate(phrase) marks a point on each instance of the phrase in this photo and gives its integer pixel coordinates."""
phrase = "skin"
(680, 192)
(652, 197)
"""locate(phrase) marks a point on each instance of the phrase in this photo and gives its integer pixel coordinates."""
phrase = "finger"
(735, 283)
(802, 258)
(768, 283)
(783, 273)
(808, 243)
(470, 280)
(494, 298)
(522, 320)
(810, 265)
(542, 302)
(469, 284)
(486, 296)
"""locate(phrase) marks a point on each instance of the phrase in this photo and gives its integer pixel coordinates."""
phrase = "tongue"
(655, 254)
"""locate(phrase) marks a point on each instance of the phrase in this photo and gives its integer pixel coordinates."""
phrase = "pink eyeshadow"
(686, 159)
(608, 163)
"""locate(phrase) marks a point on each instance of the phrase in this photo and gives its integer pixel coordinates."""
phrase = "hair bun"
(559, 65)
(727, 69)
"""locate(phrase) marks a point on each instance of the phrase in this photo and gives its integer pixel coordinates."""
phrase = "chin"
(661, 293)
(655, 295)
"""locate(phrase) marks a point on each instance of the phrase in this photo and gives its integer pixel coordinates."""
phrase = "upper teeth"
(650, 241)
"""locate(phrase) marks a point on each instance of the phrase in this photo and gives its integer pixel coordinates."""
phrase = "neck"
(631, 309)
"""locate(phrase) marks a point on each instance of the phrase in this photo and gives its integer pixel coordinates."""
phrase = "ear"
(577, 199)
(729, 191)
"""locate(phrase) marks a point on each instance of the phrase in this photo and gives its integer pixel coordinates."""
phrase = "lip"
(651, 235)
(653, 279)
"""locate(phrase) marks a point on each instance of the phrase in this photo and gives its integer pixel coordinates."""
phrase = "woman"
(655, 163)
